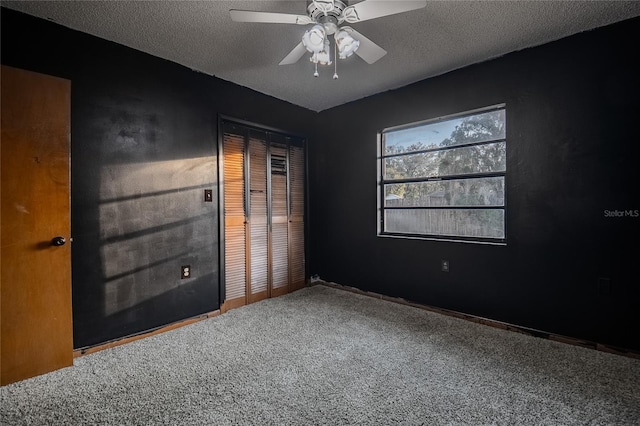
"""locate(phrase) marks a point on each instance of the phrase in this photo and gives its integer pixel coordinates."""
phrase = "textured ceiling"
(443, 36)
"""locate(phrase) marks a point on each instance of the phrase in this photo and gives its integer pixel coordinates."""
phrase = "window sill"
(448, 240)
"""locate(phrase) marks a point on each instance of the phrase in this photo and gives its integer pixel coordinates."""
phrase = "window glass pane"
(483, 127)
(479, 223)
(458, 192)
(456, 161)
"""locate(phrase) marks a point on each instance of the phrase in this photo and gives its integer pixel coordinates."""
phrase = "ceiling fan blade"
(371, 9)
(268, 17)
(294, 55)
(368, 50)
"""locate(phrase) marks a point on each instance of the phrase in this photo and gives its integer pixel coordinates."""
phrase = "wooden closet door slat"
(234, 216)
(296, 218)
(258, 215)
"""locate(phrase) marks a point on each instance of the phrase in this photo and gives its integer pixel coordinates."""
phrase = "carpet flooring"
(324, 356)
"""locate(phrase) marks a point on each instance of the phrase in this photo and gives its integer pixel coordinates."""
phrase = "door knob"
(58, 241)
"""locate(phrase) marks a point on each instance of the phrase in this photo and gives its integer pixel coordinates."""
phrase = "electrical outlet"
(444, 265)
(185, 272)
(208, 196)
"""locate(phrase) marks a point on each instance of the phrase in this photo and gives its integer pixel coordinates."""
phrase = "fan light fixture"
(314, 39)
(323, 57)
(346, 44)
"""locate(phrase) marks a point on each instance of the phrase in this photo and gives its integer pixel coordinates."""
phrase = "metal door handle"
(58, 241)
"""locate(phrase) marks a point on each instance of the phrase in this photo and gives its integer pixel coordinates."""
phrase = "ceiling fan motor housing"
(318, 10)
(330, 24)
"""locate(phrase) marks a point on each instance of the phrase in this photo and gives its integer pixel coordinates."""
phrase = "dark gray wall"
(144, 148)
(572, 153)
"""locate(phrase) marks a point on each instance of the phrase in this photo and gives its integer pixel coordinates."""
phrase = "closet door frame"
(222, 119)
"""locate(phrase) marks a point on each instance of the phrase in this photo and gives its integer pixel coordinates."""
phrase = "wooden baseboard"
(153, 332)
(226, 306)
(492, 323)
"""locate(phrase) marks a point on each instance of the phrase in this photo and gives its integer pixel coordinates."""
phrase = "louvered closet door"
(234, 220)
(263, 177)
(279, 220)
(258, 219)
(296, 217)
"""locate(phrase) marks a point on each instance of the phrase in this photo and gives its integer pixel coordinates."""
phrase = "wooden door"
(35, 290)
(258, 246)
(235, 235)
(296, 218)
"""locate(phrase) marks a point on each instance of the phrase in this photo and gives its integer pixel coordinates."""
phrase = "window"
(445, 178)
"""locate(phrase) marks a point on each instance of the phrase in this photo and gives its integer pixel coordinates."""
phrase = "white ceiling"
(443, 36)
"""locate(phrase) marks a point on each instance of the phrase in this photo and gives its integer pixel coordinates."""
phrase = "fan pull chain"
(335, 58)
(315, 74)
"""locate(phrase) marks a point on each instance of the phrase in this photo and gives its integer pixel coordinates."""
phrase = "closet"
(263, 200)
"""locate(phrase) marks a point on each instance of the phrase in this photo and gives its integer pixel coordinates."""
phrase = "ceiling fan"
(326, 18)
